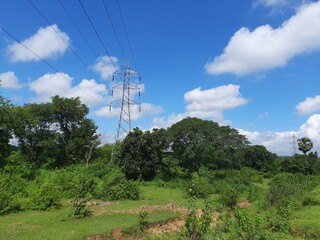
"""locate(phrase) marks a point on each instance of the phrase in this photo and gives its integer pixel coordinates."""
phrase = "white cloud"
(212, 102)
(104, 66)
(311, 128)
(263, 115)
(309, 105)
(9, 80)
(60, 84)
(266, 48)
(46, 43)
(136, 112)
(282, 142)
(206, 104)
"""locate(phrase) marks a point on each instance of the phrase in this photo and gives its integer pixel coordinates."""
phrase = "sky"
(250, 64)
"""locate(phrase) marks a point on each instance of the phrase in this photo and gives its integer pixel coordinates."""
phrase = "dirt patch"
(243, 204)
(168, 227)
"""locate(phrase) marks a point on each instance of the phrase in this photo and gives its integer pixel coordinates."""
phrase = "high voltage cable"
(67, 44)
(125, 29)
(96, 32)
(46, 62)
(113, 28)
(82, 35)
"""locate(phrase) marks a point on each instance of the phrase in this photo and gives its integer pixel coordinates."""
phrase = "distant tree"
(257, 157)
(195, 142)
(305, 145)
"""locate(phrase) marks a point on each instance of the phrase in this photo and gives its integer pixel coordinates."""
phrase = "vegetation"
(55, 175)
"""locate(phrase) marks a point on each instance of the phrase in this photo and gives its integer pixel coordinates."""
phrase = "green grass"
(307, 220)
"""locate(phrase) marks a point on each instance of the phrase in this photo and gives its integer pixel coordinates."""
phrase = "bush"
(44, 196)
(12, 193)
(229, 197)
(198, 187)
(288, 188)
(116, 187)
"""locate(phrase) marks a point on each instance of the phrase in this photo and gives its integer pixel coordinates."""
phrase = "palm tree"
(305, 145)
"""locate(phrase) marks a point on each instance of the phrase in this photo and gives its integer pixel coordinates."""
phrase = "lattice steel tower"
(130, 81)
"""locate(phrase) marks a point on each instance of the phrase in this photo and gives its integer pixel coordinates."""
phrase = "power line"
(113, 28)
(77, 27)
(67, 44)
(127, 36)
(97, 34)
(46, 62)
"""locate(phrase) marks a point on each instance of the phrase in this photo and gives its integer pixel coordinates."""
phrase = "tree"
(305, 145)
(140, 154)
(57, 133)
(257, 157)
(195, 142)
(5, 128)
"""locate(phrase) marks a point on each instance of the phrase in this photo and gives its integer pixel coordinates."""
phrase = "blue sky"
(251, 64)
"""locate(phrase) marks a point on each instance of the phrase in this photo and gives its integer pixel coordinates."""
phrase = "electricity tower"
(126, 90)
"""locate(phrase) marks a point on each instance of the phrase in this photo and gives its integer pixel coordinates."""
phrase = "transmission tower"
(129, 84)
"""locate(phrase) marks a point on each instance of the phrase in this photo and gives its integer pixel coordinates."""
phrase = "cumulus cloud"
(207, 104)
(46, 43)
(105, 66)
(266, 48)
(211, 102)
(309, 105)
(282, 142)
(60, 84)
(9, 80)
(136, 111)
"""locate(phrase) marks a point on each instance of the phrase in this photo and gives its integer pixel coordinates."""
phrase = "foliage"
(116, 187)
(141, 153)
(197, 225)
(249, 227)
(143, 222)
(305, 145)
(12, 193)
(198, 186)
(229, 197)
(286, 188)
(55, 134)
(5, 128)
(279, 219)
(197, 143)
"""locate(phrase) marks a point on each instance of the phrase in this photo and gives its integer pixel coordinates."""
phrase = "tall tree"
(195, 142)
(305, 145)
(56, 134)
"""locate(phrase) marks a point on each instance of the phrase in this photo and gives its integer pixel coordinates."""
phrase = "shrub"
(229, 197)
(197, 225)
(290, 188)
(198, 187)
(116, 187)
(12, 193)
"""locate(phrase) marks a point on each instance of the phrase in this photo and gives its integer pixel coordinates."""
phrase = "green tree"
(195, 142)
(140, 154)
(305, 145)
(5, 128)
(57, 133)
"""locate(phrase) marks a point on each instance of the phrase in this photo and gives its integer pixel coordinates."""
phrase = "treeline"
(51, 151)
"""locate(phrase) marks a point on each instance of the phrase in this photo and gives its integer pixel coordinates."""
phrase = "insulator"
(113, 78)
(139, 108)
(139, 93)
(112, 93)
(140, 79)
(110, 108)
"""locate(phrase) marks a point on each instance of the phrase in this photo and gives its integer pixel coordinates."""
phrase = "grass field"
(160, 202)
